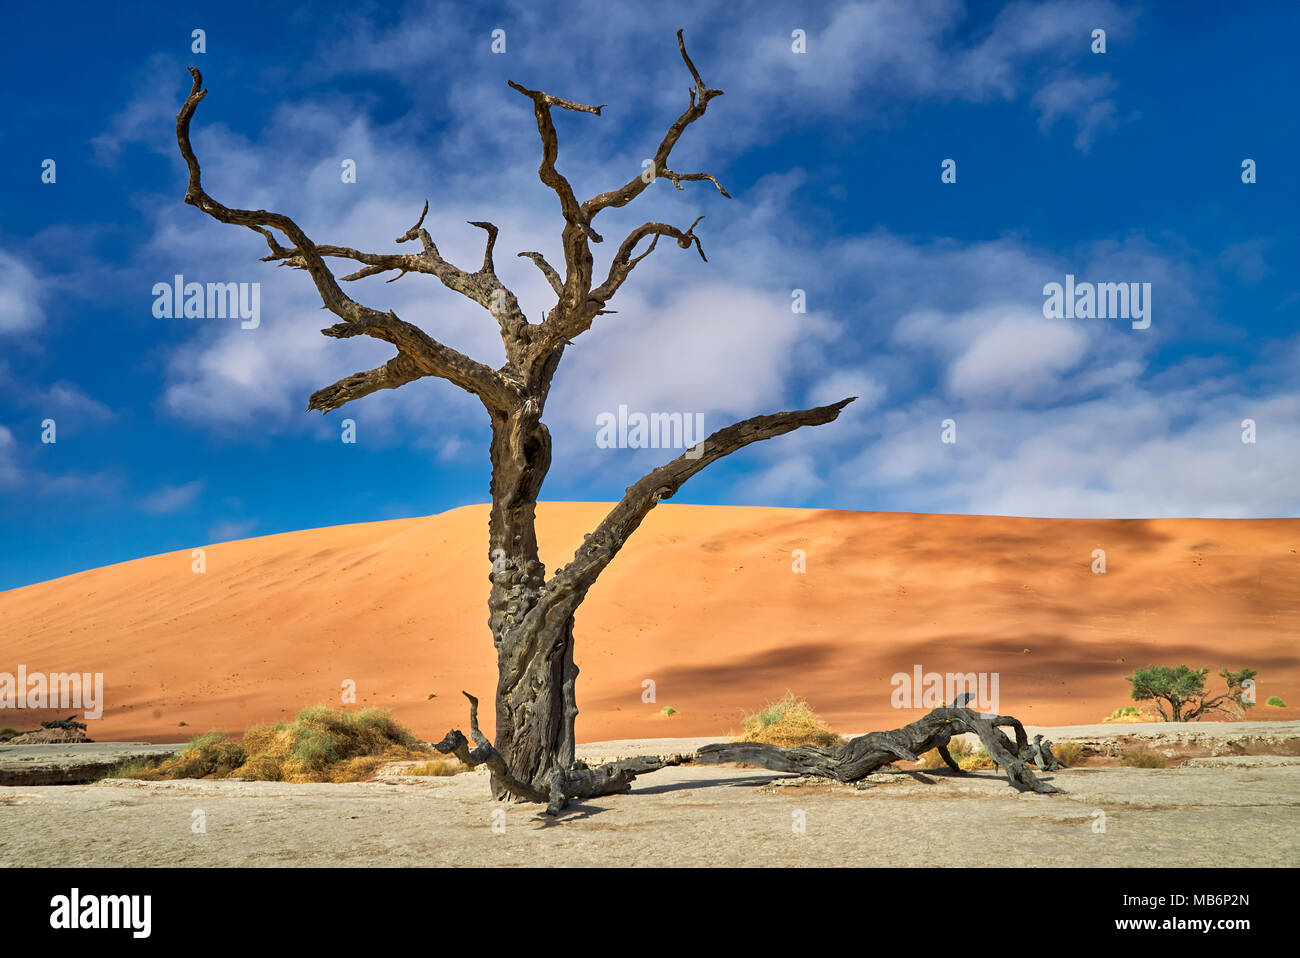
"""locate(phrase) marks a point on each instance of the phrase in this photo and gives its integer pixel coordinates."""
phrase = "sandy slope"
(703, 601)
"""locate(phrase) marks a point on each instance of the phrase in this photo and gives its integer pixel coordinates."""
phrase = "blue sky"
(924, 298)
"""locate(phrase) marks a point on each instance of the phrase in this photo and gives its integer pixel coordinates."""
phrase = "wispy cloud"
(230, 529)
(20, 296)
(169, 499)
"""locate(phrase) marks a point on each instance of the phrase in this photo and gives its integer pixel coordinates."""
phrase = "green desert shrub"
(1182, 689)
(1273, 700)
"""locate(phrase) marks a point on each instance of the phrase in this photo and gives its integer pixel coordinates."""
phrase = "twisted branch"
(569, 584)
(578, 303)
(424, 354)
(700, 95)
(624, 262)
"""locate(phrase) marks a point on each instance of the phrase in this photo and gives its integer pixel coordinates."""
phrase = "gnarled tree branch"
(398, 371)
(570, 583)
(577, 230)
(425, 354)
(579, 303)
(482, 286)
(625, 262)
(700, 95)
(552, 277)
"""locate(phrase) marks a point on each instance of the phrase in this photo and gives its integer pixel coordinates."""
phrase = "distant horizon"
(667, 504)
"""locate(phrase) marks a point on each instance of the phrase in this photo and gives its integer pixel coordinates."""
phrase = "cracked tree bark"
(531, 616)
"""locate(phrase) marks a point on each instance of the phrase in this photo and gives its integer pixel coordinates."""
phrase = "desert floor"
(1234, 809)
(703, 601)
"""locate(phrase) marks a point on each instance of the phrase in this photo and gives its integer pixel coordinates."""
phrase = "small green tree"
(1183, 689)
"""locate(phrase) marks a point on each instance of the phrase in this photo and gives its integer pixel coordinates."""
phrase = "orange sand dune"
(703, 601)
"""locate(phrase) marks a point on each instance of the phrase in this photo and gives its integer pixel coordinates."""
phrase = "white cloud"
(20, 296)
(843, 383)
(67, 399)
(1085, 100)
(790, 477)
(230, 529)
(9, 471)
(1017, 355)
(1132, 454)
(149, 116)
(168, 499)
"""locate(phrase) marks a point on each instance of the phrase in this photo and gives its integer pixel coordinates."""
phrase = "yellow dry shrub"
(788, 722)
(967, 758)
(440, 768)
(1128, 714)
(319, 745)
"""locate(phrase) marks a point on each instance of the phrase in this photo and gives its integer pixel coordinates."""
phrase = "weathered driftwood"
(861, 756)
(849, 762)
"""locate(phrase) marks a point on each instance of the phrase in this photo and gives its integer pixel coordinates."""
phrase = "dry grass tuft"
(787, 723)
(1071, 753)
(439, 768)
(1128, 713)
(319, 745)
(967, 758)
(1143, 758)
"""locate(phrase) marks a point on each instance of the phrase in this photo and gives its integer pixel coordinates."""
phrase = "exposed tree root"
(849, 762)
(578, 781)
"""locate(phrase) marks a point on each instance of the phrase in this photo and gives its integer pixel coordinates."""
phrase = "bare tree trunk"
(536, 709)
(534, 733)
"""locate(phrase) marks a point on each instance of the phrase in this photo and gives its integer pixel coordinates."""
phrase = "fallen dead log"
(865, 754)
(849, 762)
(69, 724)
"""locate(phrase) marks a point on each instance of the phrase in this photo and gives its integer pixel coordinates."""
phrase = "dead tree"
(530, 615)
